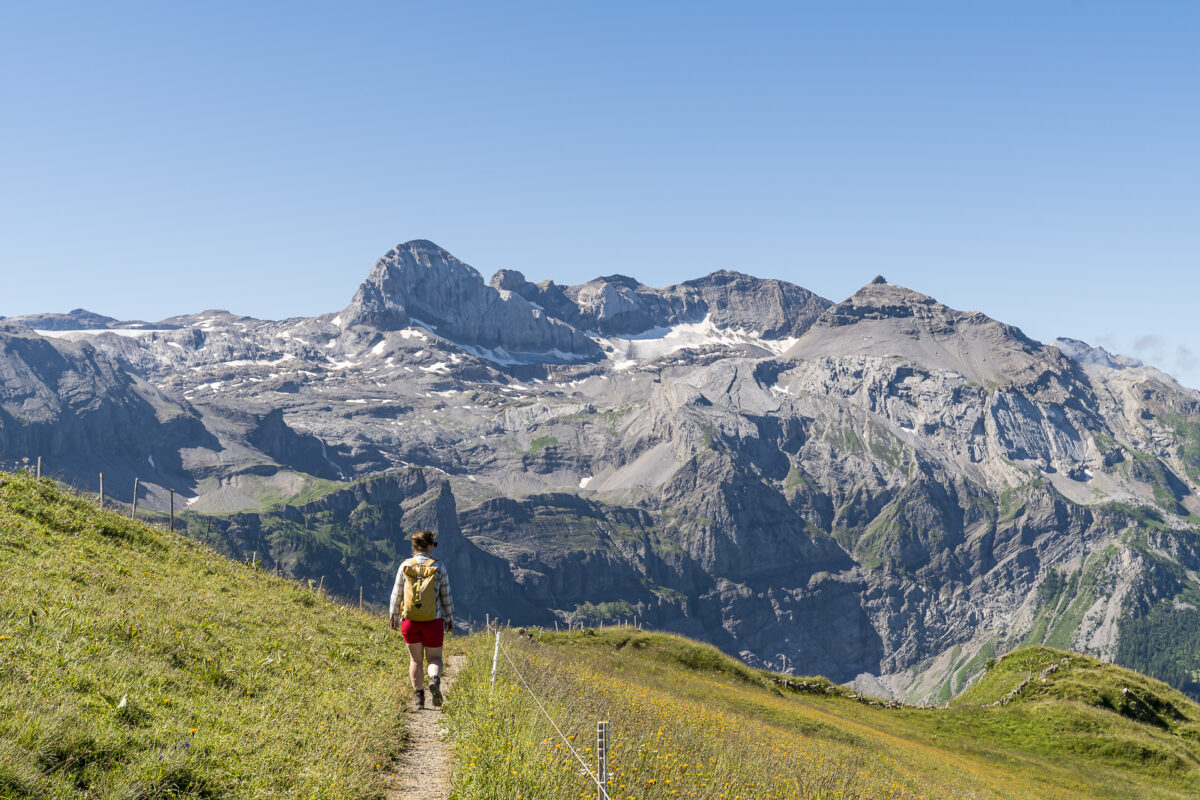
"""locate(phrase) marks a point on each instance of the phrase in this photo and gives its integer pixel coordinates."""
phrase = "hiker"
(422, 590)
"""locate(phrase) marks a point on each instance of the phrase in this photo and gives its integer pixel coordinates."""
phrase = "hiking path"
(423, 770)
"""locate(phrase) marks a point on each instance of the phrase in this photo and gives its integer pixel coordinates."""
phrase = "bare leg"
(416, 654)
(434, 656)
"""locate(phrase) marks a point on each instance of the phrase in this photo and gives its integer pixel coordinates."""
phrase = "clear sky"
(1038, 161)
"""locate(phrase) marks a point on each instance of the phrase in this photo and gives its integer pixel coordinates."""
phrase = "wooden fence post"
(172, 511)
(133, 511)
(495, 661)
(39, 468)
(102, 490)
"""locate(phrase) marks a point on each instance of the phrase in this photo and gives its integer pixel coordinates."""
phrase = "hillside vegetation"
(687, 721)
(135, 663)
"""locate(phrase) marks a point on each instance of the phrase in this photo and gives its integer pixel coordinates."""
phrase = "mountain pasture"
(135, 663)
(688, 721)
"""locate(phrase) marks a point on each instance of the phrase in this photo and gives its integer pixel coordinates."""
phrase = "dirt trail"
(423, 769)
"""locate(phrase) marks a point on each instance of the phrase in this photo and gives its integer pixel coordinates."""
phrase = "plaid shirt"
(445, 604)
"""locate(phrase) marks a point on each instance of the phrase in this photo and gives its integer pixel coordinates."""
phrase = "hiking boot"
(435, 689)
(419, 698)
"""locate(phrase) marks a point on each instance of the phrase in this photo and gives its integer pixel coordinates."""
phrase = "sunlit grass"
(135, 663)
(690, 722)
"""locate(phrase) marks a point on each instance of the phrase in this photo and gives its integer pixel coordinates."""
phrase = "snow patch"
(246, 362)
(659, 342)
(583, 482)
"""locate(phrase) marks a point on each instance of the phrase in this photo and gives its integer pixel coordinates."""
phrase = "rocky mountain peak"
(882, 300)
(776, 309)
(510, 280)
(419, 283)
(619, 280)
(74, 320)
(891, 320)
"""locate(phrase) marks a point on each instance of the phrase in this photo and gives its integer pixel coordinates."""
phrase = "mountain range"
(883, 490)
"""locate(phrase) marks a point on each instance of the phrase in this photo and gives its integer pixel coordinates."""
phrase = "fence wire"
(587, 770)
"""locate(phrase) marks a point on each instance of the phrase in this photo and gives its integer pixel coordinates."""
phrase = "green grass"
(136, 663)
(314, 489)
(688, 721)
(541, 443)
(601, 612)
(1164, 642)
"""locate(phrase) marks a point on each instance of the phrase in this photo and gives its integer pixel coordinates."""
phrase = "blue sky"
(1036, 161)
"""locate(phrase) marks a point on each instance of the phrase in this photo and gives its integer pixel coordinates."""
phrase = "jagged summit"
(419, 283)
(890, 320)
(623, 281)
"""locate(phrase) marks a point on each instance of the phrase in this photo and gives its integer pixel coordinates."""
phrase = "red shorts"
(428, 633)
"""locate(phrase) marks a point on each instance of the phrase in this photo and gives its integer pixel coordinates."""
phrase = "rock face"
(420, 283)
(617, 305)
(79, 319)
(883, 490)
(83, 414)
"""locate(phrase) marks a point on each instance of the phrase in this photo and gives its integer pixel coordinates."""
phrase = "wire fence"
(600, 778)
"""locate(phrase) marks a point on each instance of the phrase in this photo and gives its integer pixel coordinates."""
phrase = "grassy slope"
(689, 722)
(135, 663)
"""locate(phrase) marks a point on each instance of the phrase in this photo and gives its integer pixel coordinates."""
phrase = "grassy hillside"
(134, 663)
(137, 664)
(690, 722)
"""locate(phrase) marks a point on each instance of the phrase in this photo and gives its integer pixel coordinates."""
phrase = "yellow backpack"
(420, 590)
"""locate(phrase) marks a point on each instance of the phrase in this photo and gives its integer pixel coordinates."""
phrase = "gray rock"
(418, 283)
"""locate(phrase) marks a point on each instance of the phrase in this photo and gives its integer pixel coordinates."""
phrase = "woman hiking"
(422, 610)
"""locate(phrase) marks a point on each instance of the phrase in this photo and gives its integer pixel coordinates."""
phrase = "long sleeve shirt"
(442, 581)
